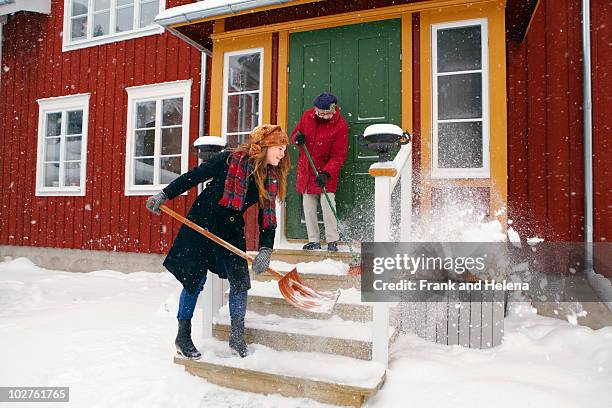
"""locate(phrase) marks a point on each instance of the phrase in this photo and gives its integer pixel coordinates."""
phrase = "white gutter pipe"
(595, 280)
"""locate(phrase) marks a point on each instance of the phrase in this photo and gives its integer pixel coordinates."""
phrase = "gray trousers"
(310, 202)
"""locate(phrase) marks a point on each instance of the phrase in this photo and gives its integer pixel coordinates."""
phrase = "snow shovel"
(291, 287)
(355, 266)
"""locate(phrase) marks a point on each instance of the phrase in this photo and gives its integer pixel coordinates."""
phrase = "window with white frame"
(242, 87)
(62, 145)
(92, 22)
(460, 100)
(157, 141)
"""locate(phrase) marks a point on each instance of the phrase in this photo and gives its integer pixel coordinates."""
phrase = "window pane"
(51, 174)
(236, 140)
(170, 169)
(54, 124)
(459, 49)
(52, 149)
(79, 7)
(124, 2)
(145, 143)
(459, 96)
(101, 24)
(72, 174)
(101, 5)
(460, 145)
(145, 114)
(172, 111)
(148, 11)
(73, 148)
(243, 74)
(242, 112)
(125, 19)
(171, 140)
(78, 28)
(143, 171)
(75, 123)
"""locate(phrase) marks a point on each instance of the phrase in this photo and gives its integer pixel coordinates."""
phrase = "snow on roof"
(210, 8)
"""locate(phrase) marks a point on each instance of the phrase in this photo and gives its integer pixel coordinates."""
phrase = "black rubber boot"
(183, 343)
(311, 246)
(236, 339)
(332, 246)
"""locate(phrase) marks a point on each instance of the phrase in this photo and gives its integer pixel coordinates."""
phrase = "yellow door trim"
(495, 13)
(220, 47)
(353, 17)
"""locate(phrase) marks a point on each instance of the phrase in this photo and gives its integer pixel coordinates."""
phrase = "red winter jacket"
(327, 144)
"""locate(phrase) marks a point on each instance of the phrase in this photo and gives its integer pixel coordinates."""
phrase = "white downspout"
(589, 269)
(588, 134)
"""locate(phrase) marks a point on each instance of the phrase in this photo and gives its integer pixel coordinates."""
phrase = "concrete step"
(324, 378)
(332, 336)
(299, 255)
(266, 299)
(327, 274)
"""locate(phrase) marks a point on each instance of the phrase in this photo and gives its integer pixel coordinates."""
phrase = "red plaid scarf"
(237, 182)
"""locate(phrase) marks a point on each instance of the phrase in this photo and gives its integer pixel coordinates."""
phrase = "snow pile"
(109, 337)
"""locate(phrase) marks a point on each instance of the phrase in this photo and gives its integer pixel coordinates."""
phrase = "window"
(62, 145)
(94, 22)
(157, 136)
(242, 86)
(460, 100)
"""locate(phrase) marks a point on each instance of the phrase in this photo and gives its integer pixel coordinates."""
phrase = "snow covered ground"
(109, 337)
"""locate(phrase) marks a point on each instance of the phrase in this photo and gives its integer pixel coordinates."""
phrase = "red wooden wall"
(36, 67)
(545, 123)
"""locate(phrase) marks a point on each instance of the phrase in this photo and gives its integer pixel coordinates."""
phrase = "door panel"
(360, 64)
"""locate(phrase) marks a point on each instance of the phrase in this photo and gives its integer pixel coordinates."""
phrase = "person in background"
(255, 172)
(325, 134)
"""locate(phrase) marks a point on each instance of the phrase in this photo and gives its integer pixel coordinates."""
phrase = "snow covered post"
(212, 298)
(384, 138)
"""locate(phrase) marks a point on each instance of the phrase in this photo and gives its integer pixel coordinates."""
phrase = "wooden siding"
(545, 126)
(36, 67)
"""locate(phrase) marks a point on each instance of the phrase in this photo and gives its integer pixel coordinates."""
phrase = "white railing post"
(212, 300)
(386, 176)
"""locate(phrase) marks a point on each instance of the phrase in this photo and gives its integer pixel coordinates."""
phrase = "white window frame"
(166, 90)
(61, 104)
(226, 57)
(69, 45)
(455, 173)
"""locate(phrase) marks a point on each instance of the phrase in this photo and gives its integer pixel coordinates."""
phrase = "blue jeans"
(187, 303)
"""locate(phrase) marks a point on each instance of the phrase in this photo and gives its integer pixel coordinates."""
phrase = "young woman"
(255, 172)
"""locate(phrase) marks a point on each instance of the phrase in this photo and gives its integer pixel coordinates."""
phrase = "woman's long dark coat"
(192, 254)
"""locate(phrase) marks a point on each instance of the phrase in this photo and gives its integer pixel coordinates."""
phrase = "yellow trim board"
(495, 14)
(220, 47)
(353, 17)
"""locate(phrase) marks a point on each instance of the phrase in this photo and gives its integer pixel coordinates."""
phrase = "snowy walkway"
(109, 337)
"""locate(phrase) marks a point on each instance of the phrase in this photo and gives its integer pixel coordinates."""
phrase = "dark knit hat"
(325, 101)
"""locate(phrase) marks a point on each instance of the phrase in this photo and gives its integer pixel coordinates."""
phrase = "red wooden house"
(99, 106)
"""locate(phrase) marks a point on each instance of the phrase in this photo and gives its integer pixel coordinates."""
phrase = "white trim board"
(453, 173)
(62, 104)
(155, 92)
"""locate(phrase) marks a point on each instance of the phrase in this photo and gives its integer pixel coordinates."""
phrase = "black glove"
(322, 178)
(262, 260)
(155, 201)
(300, 138)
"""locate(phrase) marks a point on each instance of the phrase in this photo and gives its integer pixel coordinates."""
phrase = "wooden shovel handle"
(215, 238)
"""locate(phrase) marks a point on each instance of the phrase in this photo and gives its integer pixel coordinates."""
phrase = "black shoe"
(183, 343)
(236, 339)
(311, 246)
(332, 246)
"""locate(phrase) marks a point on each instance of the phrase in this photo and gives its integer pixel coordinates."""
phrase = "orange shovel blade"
(305, 297)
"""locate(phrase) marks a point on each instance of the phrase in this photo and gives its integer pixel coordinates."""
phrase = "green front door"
(360, 64)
